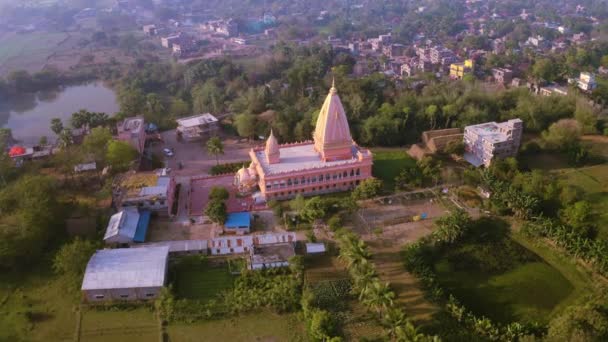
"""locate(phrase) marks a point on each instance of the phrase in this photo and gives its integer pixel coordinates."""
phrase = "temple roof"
(272, 145)
(332, 130)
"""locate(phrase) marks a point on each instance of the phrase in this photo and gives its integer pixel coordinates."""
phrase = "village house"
(167, 42)
(238, 223)
(553, 89)
(150, 30)
(502, 75)
(459, 70)
(196, 127)
(490, 140)
(145, 191)
(132, 130)
(125, 274)
(330, 163)
(228, 28)
(585, 82)
(270, 256)
(127, 226)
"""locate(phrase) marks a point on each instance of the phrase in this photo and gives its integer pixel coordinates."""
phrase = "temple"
(331, 162)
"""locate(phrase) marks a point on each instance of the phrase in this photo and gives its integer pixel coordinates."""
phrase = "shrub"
(369, 188)
(227, 168)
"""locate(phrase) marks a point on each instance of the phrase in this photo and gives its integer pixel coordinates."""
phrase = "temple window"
(352, 173)
(335, 176)
(358, 172)
(303, 180)
(289, 183)
(296, 181)
(268, 186)
(327, 177)
(344, 174)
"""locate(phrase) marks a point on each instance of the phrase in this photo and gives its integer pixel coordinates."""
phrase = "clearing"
(126, 325)
(388, 164)
(195, 277)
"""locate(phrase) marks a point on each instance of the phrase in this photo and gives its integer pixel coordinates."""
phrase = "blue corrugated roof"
(236, 220)
(142, 226)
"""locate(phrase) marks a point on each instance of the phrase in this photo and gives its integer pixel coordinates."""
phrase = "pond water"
(29, 115)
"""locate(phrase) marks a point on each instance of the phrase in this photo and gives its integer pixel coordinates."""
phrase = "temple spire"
(273, 153)
(332, 134)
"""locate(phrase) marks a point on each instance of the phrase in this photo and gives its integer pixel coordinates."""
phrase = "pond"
(29, 115)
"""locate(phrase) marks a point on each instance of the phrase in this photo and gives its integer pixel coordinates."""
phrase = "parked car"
(168, 152)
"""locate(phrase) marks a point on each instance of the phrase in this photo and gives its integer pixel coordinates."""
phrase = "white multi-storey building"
(490, 140)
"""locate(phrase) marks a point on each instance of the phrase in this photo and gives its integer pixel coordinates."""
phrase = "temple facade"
(331, 162)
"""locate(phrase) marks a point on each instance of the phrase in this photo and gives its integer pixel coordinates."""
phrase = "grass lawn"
(594, 182)
(545, 161)
(529, 292)
(26, 46)
(260, 326)
(119, 326)
(37, 306)
(195, 278)
(388, 164)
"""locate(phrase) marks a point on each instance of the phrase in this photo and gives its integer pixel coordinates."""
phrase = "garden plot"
(119, 326)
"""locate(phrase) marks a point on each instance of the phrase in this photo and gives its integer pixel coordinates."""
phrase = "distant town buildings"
(132, 130)
(150, 30)
(459, 70)
(487, 141)
(502, 75)
(553, 89)
(585, 82)
(228, 28)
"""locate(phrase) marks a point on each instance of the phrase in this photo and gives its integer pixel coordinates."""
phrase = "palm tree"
(56, 125)
(215, 147)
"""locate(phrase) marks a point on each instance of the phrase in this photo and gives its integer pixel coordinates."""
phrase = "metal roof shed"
(125, 273)
(315, 248)
(142, 226)
(122, 227)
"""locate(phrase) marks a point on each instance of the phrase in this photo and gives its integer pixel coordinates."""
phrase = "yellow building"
(458, 70)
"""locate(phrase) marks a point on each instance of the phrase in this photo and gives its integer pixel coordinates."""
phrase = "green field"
(136, 325)
(594, 182)
(19, 50)
(388, 164)
(38, 306)
(526, 293)
(259, 326)
(196, 278)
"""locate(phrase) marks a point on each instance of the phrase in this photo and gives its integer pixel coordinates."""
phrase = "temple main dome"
(332, 133)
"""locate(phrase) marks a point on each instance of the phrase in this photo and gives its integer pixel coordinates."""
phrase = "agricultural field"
(35, 307)
(594, 183)
(133, 325)
(495, 276)
(197, 278)
(28, 51)
(259, 326)
(388, 163)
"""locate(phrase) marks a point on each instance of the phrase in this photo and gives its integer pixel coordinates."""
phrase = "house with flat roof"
(145, 191)
(238, 223)
(127, 226)
(133, 131)
(196, 127)
(125, 274)
(490, 140)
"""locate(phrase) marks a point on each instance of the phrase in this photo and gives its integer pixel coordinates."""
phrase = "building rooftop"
(272, 253)
(197, 120)
(302, 157)
(238, 220)
(145, 184)
(133, 125)
(123, 223)
(126, 268)
(492, 131)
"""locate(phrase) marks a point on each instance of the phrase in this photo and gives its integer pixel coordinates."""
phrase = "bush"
(369, 188)
(227, 168)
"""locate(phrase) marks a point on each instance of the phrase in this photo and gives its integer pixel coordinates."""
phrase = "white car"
(168, 152)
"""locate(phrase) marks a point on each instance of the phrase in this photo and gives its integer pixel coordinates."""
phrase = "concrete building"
(502, 75)
(553, 89)
(145, 191)
(133, 131)
(238, 223)
(167, 42)
(586, 81)
(228, 28)
(125, 274)
(459, 70)
(127, 226)
(330, 163)
(150, 30)
(442, 55)
(271, 256)
(196, 127)
(490, 140)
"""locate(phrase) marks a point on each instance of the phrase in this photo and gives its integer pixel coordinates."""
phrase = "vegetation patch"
(227, 168)
(132, 325)
(388, 164)
(194, 277)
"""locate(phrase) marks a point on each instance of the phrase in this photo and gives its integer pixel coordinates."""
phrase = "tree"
(430, 168)
(588, 322)
(96, 143)
(179, 108)
(56, 125)
(577, 215)
(72, 258)
(120, 155)
(410, 177)
(452, 227)
(66, 139)
(298, 204)
(545, 69)
(218, 193)
(368, 188)
(245, 125)
(216, 211)
(215, 147)
(562, 134)
(314, 209)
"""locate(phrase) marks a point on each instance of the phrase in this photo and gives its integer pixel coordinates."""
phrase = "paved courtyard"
(199, 195)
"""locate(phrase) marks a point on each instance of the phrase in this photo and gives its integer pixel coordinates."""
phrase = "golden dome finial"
(333, 89)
